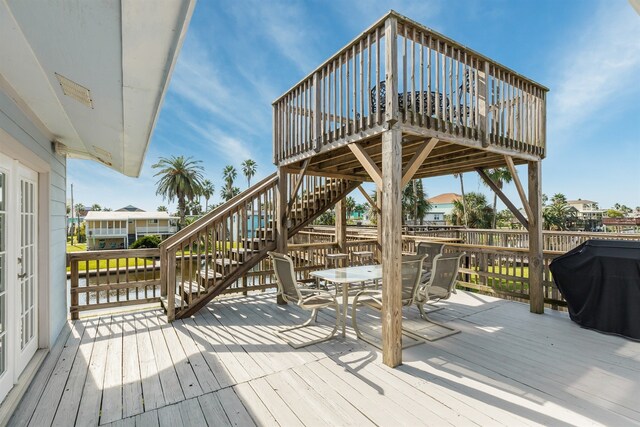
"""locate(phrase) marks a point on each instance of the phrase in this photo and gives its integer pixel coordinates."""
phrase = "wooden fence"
(113, 278)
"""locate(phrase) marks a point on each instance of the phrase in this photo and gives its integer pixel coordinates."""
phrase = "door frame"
(24, 356)
(9, 377)
(11, 147)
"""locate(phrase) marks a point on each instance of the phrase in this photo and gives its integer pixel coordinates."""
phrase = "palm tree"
(499, 176)
(207, 192)
(414, 202)
(465, 217)
(96, 207)
(350, 204)
(249, 169)
(477, 211)
(228, 193)
(181, 179)
(162, 208)
(229, 174)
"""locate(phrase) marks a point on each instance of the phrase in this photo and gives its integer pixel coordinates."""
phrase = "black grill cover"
(600, 280)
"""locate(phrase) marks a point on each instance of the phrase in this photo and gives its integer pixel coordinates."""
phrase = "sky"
(239, 56)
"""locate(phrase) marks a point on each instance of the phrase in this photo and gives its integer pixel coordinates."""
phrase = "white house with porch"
(118, 229)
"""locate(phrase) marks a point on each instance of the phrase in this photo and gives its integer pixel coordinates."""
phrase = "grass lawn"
(113, 263)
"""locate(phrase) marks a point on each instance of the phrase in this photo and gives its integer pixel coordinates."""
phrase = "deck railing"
(552, 240)
(437, 83)
(108, 279)
(113, 278)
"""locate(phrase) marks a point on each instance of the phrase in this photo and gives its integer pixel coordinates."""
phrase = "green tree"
(249, 168)
(558, 215)
(612, 213)
(229, 175)
(326, 218)
(499, 176)
(360, 209)
(414, 202)
(478, 212)
(162, 208)
(148, 241)
(105, 209)
(96, 207)
(207, 192)
(179, 178)
(350, 205)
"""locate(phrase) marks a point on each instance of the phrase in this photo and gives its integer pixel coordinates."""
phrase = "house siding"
(16, 124)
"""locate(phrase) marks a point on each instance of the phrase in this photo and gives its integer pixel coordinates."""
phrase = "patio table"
(345, 276)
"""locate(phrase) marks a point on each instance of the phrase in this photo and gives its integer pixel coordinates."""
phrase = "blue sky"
(239, 56)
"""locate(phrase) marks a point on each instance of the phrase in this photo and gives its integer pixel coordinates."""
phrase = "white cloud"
(597, 67)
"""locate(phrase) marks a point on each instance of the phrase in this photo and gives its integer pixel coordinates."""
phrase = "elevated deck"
(225, 367)
(476, 109)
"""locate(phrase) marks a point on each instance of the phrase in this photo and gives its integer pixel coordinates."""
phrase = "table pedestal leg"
(345, 306)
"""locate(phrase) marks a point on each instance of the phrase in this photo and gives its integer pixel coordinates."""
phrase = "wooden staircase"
(213, 253)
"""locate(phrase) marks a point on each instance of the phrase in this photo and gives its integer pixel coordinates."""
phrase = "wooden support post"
(281, 224)
(75, 279)
(341, 226)
(536, 285)
(379, 223)
(391, 218)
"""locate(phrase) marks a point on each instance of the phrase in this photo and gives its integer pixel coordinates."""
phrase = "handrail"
(200, 223)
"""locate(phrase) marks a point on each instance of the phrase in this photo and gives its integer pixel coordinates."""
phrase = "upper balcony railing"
(439, 85)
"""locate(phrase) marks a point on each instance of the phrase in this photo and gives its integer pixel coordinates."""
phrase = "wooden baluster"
(414, 101)
(449, 61)
(438, 90)
(378, 79)
(368, 89)
(405, 84)
(354, 91)
(423, 117)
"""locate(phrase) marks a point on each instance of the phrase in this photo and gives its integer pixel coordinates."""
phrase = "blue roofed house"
(86, 82)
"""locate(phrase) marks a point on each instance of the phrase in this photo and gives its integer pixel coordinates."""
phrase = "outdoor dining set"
(428, 276)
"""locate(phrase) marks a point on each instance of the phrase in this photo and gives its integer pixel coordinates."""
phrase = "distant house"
(588, 214)
(441, 208)
(118, 229)
(129, 208)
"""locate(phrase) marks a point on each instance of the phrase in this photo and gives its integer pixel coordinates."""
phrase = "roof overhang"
(112, 58)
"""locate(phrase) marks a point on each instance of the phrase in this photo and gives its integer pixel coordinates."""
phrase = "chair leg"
(314, 317)
(370, 339)
(423, 314)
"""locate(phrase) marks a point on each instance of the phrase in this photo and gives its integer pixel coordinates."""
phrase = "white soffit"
(112, 58)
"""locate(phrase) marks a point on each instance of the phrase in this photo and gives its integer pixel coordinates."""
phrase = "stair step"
(209, 273)
(164, 301)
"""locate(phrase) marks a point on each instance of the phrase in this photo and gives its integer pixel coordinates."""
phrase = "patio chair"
(440, 286)
(302, 296)
(432, 249)
(411, 272)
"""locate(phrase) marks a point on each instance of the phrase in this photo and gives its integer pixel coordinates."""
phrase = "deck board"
(225, 366)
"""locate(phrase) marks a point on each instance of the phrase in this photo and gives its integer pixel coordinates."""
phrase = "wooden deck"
(224, 367)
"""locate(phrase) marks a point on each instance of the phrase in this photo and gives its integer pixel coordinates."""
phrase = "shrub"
(148, 241)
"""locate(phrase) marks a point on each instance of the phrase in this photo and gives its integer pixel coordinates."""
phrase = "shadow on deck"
(224, 366)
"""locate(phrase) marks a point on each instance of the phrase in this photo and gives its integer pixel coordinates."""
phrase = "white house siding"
(36, 152)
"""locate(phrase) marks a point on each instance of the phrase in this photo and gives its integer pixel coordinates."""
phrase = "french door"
(18, 270)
